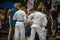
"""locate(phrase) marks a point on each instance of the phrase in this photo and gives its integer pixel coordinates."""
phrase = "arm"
(45, 21)
(30, 17)
(15, 16)
(25, 16)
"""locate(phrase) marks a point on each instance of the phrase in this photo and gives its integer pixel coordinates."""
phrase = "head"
(41, 5)
(32, 10)
(18, 5)
(40, 9)
(55, 7)
(15, 5)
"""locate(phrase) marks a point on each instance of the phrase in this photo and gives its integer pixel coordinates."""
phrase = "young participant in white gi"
(39, 22)
(20, 16)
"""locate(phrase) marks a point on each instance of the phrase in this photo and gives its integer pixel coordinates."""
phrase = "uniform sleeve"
(15, 16)
(44, 21)
(30, 17)
(25, 17)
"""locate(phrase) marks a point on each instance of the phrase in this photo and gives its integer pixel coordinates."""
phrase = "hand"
(25, 22)
(41, 25)
(30, 23)
(44, 29)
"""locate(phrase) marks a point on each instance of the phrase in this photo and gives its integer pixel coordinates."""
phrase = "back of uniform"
(20, 16)
(39, 22)
(37, 18)
(12, 23)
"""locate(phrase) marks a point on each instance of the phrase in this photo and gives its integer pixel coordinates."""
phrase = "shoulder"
(32, 13)
(45, 15)
(23, 11)
(18, 11)
(39, 13)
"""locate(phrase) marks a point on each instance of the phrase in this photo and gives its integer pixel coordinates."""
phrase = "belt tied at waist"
(20, 21)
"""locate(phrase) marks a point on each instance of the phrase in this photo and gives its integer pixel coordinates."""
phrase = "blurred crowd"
(52, 16)
(4, 20)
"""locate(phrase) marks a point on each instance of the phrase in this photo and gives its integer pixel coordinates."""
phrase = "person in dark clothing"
(48, 4)
(54, 14)
(12, 22)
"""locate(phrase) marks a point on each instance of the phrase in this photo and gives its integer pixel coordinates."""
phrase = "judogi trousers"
(41, 33)
(19, 31)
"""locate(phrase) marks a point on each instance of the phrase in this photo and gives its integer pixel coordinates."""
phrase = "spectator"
(58, 29)
(5, 11)
(12, 22)
(2, 19)
(2, 24)
(54, 14)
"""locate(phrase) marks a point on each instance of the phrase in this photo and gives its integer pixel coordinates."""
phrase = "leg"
(16, 36)
(11, 33)
(22, 33)
(42, 34)
(33, 31)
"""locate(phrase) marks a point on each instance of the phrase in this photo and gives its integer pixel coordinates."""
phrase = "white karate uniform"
(38, 19)
(20, 16)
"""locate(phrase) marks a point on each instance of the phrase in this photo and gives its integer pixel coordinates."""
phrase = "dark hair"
(54, 6)
(31, 9)
(40, 9)
(20, 4)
